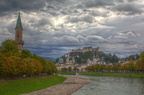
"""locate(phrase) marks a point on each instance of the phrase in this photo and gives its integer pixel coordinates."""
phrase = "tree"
(38, 67)
(26, 54)
(75, 69)
(52, 67)
(142, 59)
(139, 65)
(14, 63)
(2, 62)
(116, 66)
(131, 65)
(97, 67)
(10, 48)
(64, 69)
(11, 66)
(109, 67)
(69, 68)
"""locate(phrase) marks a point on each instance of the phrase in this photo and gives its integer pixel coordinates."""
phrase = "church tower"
(18, 33)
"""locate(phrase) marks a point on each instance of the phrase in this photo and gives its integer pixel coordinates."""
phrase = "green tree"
(139, 65)
(69, 68)
(52, 67)
(97, 67)
(2, 62)
(26, 54)
(131, 65)
(64, 69)
(10, 48)
(142, 59)
(116, 66)
(109, 67)
(75, 69)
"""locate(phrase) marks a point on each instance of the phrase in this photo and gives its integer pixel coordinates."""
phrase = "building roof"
(18, 24)
(61, 59)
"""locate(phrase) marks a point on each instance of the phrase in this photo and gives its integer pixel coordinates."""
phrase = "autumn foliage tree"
(129, 66)
(16, 64)
(139, 65)
(11, 66)
(2, 61)
(142, 60)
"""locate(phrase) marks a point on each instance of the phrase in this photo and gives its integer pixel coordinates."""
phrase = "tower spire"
(18, 33)
(18, 24)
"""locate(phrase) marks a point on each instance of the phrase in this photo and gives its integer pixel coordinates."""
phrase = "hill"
(89, 53)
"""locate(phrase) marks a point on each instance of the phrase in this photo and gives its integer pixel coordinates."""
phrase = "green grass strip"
(114, 74)
(66, 73)
(18, 87)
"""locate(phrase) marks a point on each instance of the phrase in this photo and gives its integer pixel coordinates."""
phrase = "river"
(100, 85)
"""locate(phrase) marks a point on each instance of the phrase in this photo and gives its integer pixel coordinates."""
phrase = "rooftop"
(18, 24)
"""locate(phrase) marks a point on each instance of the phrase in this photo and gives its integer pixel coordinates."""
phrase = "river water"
(100, 85)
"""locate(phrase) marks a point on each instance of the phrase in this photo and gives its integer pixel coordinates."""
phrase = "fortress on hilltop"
(83, 50)
(87, 49)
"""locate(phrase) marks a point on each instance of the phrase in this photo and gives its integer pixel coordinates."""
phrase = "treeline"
(14, 63)
(69, 69)
(130, 66)
(133, 57)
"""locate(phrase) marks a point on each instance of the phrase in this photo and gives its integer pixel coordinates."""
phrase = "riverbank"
(17, 87)
(140, 75)
(66, 73)
(70, 85)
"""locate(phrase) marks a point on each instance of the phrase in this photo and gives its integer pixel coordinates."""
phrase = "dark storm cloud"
(87, 19)
(42, 22)
(49, 51)
(128, 8)
(98, 13)
(98, 3)
(57, 1)
(131, 0)
(54, 27)
(20, 5)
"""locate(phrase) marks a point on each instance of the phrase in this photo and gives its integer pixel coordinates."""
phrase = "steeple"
(18, 24)
(18, 33)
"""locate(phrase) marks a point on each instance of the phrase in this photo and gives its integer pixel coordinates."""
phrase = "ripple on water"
(112, 86)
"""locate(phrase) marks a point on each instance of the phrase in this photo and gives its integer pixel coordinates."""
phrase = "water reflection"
(112, 86)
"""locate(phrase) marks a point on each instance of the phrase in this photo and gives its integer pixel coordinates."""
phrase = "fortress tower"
(18, 33)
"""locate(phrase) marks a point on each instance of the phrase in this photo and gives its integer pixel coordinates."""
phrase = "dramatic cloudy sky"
(55, 27)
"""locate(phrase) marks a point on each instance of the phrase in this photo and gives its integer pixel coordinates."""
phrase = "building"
(18, 33)
(96, 60)
(70, 60)
(61, 61)
(85, 49)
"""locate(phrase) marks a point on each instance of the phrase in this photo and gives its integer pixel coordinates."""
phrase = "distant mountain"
(48, 58)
